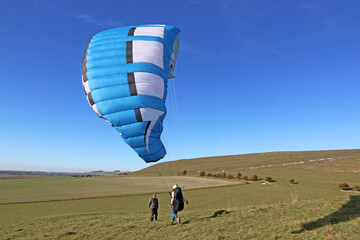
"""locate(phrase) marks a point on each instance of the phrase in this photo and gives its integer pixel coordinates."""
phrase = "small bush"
(292, 181)
(218, 175)
(356, 188)
(230, 176)
(208, 175)
(268, 179)
(344, 186)
(183, 173)
(245, 178)
(238, 175)
(254, 178)
(202, 173)
(223, 175)
(178, 174)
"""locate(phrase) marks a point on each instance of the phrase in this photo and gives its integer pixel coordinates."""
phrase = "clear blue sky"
(252, 76)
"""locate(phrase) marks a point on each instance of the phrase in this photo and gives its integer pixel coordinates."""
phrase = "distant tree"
(268, 179)
(183, 173)
(229, 176)
(223, 175)
(254, 178)
(218, 175)
(202, 173)
(238, 175)
(344, 186)
(292, 181)
(356, 188)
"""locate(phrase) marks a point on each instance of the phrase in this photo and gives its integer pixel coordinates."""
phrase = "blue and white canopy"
(125, 73)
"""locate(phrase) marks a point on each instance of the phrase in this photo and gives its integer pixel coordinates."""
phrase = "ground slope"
(344, 160)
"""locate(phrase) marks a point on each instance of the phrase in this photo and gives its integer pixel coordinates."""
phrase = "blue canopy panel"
(125, 73)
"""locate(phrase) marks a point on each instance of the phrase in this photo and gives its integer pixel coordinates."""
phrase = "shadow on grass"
(218, 213)
(348, 212)
(68, 234)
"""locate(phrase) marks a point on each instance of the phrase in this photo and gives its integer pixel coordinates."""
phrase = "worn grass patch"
(55, 188)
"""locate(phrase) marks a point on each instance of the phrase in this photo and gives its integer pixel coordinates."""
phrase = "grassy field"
(314, 208)
(240, 212)
(52, 188)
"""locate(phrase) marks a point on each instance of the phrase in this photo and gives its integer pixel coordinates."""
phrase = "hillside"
(337, 160)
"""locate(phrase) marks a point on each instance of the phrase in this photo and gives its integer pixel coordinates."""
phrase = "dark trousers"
(154, 212)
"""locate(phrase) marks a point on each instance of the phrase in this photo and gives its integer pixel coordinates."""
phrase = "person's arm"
(185, 199)
(150, 202)
(172, 198)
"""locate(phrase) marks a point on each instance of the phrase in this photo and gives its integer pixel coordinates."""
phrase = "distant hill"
(8, 173)
(242, 162)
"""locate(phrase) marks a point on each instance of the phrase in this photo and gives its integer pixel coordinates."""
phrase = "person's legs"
(152, 214)
(174, 216)
(156, 214)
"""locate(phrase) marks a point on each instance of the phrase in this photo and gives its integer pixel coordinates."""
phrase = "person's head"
(175, 186)
(154, 195)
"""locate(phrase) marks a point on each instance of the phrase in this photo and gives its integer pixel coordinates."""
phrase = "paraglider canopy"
(125, 73)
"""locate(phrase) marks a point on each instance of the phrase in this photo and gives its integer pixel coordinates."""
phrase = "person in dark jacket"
(176, 202)
(153, 206)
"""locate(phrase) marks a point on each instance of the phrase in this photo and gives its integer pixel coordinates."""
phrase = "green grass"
(237, 212)
(314, 208)
(345, 160)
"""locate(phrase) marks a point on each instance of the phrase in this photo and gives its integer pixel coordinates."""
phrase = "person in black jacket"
(153, 206)
(177, 203)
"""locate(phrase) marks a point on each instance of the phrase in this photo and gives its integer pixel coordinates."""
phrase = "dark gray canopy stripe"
(138, 115)
(129, 52)
(131, 75)
(131, 31)
(91, 101)
(146, 131)
(85, 78)
(83, 66)
(131, 82)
